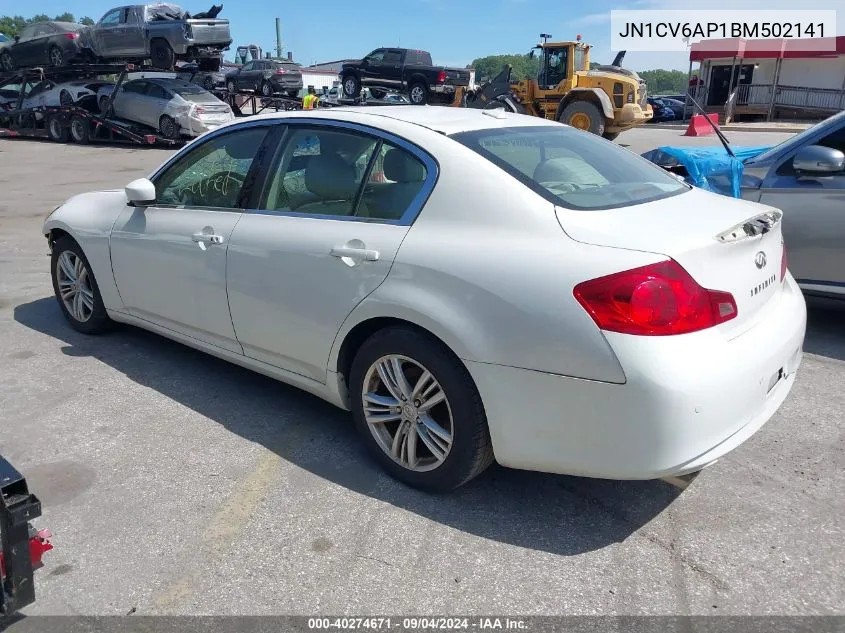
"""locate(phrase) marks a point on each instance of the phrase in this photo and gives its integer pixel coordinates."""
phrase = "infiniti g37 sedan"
(472, 285)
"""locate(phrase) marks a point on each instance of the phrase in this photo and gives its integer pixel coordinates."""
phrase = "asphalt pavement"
(177, 483)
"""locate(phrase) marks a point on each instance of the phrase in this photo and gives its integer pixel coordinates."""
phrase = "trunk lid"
(210, 31)
(725, 244)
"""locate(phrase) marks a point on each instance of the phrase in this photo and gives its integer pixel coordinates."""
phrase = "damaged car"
(173, 107)
(163, 33)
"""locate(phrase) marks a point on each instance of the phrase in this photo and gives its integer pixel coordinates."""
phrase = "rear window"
(181, 88)
(70, 27)
(571, 168)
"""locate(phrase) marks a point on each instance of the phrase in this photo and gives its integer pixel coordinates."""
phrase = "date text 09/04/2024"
(418, 623)
(722, 29)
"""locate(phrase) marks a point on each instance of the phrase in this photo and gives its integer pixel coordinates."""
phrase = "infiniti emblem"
(760, 260)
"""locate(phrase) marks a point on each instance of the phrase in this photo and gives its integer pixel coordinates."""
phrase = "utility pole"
(278, 38)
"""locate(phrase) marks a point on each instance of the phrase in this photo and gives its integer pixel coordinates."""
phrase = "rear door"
(129, 101)
(814, 219)
(327, 227)
(156, 104)
(392, 67)
(133, 41)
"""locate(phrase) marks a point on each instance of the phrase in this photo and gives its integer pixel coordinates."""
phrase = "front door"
(371, 69)
(813, 220)
(169, 260)
(108, 34)
(27, 51)
(336, 207)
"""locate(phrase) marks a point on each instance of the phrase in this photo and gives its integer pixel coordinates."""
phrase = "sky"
(454, 31)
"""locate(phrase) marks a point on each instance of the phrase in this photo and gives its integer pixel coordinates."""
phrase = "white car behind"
(173, 107)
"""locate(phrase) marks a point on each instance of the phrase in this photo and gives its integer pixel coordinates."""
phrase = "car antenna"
(721, 136)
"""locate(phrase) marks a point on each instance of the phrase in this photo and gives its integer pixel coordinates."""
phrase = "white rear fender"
(88, 218)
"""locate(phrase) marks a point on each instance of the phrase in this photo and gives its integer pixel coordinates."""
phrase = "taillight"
(656, 300)
(199, 110)
(71, 36)
(441, 77)
(783, 263)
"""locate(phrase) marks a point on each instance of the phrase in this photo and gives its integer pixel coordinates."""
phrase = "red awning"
(768, 48)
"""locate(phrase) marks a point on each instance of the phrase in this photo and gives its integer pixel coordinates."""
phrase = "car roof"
(442, 119)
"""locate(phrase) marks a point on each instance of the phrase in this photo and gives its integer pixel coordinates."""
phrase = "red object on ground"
(38, 544)
(698, 125)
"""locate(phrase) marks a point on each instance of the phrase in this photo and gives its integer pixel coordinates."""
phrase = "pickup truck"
(391, 69)
(162, 33)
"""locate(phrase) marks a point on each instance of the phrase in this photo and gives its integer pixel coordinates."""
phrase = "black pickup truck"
(402, 69)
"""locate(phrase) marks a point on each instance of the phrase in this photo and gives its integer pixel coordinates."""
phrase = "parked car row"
(163, 33)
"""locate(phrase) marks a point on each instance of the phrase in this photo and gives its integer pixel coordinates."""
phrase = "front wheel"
(584, 116)
(418, 94)
(7, 64)
(65, 99)
(76, 288)
(417, 409)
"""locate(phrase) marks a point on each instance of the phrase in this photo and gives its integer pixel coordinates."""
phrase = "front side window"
(376, 56)
(212, 175)
(135, 87)
(27, 33)
(111, 18)
(571, 168)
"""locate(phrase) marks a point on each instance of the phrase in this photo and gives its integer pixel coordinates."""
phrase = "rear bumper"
(283, 83)
(687, 401)
(443, 89)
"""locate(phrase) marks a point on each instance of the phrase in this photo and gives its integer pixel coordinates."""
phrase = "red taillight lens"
(656, 300)
(441, 77)
(783, 263)
(71, 36)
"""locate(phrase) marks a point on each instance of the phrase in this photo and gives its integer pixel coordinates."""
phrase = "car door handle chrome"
(355, 253)
(207, 238)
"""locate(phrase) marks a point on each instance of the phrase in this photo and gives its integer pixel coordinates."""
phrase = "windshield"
(571, 168)
(798, 139)
(3, 38)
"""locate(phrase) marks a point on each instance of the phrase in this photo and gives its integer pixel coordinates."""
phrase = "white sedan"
(472, 285)
(50, 93)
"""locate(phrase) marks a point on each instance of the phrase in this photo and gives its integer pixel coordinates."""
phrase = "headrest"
(330, 177)
(399, 166)
(563, 169)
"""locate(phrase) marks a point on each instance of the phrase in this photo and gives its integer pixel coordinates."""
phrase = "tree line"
(13, 25)
(659, 81)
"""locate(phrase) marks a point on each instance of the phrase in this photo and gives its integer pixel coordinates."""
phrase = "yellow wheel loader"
(606, 100)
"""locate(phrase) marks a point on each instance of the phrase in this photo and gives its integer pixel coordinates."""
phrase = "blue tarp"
(710, 168)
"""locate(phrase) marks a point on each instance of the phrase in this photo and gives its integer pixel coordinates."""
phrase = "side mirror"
(17, 38)
(819, 160)
(141, 193)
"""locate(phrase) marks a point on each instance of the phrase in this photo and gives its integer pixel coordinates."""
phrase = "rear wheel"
(584, 116)
(230, 86)
(80, 132)
(417, 409)
(161, 55)
(57, 130)
(351, 86)
(104, 104)
(168, 128)
(76, 289)
(56, 56)
(293, 94)
(266, 89)
(418, 94)
(209, 64)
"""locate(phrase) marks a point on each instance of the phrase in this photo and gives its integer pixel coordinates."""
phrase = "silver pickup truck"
(162, 33)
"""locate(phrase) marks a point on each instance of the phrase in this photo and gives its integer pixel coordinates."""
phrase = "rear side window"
(573, 169)
(417, 58)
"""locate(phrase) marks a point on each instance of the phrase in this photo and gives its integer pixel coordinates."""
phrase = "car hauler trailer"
(21, 545)
(80, 122)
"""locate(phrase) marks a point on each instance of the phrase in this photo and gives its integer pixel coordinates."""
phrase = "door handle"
(206, 238)
(355, 253)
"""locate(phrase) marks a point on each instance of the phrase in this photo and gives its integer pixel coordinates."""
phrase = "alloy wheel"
(408, 413)
(75, 286)
(56, 57)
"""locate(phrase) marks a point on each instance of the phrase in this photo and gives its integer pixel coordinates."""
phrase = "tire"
(351, 86)
(80, 132)
(209, 64)
(168, 128)
(161, 55)
(208, 83)
(57, 130)
(104, 104)
(293, 94)
(231, 87)
(56, 57)
(611, 136)
(65, 99)
(266, 89)
(7, 64)
(470, 451)
(378, 94)
(418, 94)
(89, 304)
(584, 116)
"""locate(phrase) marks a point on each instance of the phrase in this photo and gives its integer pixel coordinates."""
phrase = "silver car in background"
(805, 177)
(172, 106)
